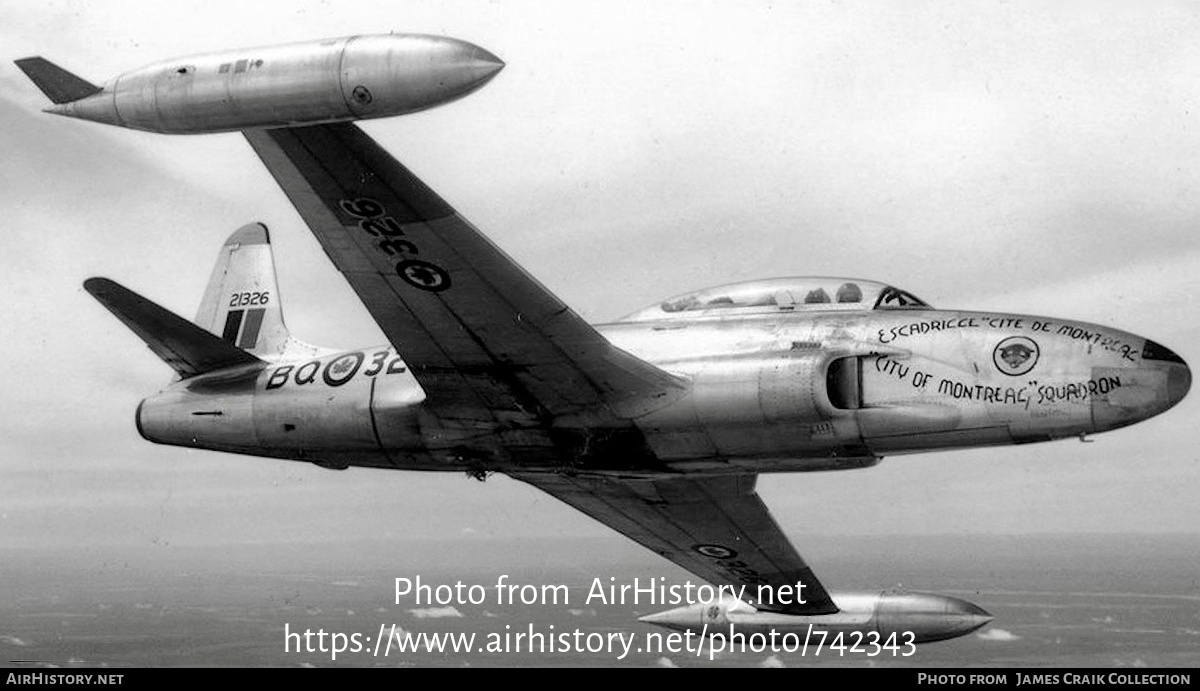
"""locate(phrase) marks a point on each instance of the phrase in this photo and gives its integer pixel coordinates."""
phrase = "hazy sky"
(1029, 157)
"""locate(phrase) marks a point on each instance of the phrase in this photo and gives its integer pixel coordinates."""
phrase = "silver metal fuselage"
(775, 391)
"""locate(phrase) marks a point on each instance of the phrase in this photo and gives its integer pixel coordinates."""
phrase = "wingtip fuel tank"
(900, 617)
(335, 80)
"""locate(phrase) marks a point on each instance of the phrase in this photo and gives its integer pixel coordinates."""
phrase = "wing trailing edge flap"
(187, 348)
(715, 527)
(483, 337)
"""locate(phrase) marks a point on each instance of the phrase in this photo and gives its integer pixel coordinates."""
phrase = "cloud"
(435, 612)
(13, 640)
(772, 661)
(590, 612)
(666, 662)
(997, 635)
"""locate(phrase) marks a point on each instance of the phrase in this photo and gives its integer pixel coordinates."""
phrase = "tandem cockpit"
(782, 295)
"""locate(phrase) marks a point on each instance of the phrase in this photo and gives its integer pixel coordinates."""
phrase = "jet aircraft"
(657, 425)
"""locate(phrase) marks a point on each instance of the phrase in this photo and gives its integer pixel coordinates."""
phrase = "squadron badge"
(1016, 355)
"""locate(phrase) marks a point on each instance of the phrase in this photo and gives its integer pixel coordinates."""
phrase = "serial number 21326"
(247, 299)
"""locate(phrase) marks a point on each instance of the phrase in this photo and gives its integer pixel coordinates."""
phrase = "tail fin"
(241, 303)
(58, 84)
(184, 346)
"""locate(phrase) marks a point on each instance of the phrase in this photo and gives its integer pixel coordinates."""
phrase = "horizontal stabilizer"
(58, 84)
(187, 348)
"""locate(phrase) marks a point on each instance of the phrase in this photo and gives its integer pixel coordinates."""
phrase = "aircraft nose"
(1179, 381)
(1179, 384)
(1179, 375)
(1160, 380)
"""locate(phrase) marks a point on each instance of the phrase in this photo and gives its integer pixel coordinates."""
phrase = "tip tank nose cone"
(678, 617)
(485, 56)
(970, 615)
(484, 65)
(965, 607)
(1179, 375)
(658, 618)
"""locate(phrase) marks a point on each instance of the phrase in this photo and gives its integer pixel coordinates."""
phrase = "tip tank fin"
(59, 85)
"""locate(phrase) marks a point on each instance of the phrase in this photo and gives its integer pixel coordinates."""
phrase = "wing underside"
(491, 346)
(716, 527)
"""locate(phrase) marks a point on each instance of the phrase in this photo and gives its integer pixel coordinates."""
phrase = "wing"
(490, 345)
(716, 528)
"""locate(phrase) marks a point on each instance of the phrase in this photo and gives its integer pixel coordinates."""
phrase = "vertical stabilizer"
(241, 303)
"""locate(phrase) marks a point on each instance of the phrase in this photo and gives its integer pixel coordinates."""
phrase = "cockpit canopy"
(782, 295)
